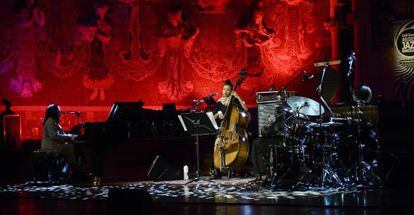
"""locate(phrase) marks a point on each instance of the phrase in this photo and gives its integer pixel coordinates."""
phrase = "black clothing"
(221, 107)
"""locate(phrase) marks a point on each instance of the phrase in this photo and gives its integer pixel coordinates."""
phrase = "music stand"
(198, 124)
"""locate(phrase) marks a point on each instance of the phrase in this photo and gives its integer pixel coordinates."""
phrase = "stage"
(307, 104)
(235, 195)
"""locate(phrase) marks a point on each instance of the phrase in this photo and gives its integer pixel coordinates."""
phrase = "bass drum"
(319, 139)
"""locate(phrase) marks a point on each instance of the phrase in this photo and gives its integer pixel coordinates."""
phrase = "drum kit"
(316, 149)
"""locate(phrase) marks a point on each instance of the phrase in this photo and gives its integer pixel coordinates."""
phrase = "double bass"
(232, 144)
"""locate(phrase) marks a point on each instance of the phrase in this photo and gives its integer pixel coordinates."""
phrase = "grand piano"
(126, 121)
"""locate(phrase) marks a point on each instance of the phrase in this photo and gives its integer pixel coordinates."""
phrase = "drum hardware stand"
(363, 173)
(275, 181)
(319, 90)
(304, 171)
(327, 174)
(273, 176)
(273, 165)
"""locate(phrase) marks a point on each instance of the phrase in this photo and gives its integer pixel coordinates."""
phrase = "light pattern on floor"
(224, 191)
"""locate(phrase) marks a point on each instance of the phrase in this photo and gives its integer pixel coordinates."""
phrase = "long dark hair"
(52, 111)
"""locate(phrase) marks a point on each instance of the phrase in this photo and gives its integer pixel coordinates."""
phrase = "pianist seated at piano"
(55, 141)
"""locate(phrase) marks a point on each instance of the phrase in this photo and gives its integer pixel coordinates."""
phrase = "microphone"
(205, 98)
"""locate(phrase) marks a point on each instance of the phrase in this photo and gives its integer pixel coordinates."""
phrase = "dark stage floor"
(224, 196)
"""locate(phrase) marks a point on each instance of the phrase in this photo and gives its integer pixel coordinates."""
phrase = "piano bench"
(48, 167)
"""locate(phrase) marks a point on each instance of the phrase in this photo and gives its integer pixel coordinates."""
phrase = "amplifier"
(267, 109)
(268, 97)
(272, 96)
(266, 115)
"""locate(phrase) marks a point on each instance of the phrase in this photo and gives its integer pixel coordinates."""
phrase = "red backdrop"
(90, 53)
(86, 55)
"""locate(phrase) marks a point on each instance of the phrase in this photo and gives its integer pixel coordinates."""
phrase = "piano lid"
(125, 111)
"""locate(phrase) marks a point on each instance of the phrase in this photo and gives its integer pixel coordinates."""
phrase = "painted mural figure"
(62, 52)
(212, 6)
(256, 33)
(24, 57)
(131, 50)
(135, 30)
(175, 42)
(299, 41)
(98, 77)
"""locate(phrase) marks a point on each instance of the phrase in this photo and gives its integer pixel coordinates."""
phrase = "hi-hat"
(305, 106)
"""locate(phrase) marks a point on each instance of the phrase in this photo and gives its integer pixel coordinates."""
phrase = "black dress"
(221, 107)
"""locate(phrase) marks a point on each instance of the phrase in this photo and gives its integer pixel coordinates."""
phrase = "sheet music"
(213, 121)
(182, 122)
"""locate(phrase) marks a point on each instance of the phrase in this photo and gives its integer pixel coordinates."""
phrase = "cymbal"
(305, 106)
(291, 111)
(327, 63)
